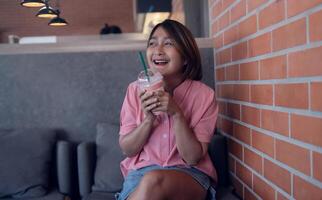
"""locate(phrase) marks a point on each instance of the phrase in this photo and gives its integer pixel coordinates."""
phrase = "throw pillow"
(25, 161)
(108, 176)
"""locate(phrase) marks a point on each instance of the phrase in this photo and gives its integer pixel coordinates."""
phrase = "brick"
(242, 133)
(249, 71)
(317, 166)
(295, 7)
(316, 26)
(223, 56)
(248, 26)
(227, 3)
(285, 153)
(224, 21)
(275, 121)
(307, 129)
(316, 96)
(261, 94)
(251, 115)
(238, 11)
(227, 126)
(214, 27)
(306, 63)
(253, 160)
(277, 175)
(239, 51)
(231, 164)
(273, 68)
(237, 92)
(217, 8)
(219, 41)
(266, 18)
(231, 35)
(227, 91)
(281, 197)
(263, 143)
(249, 195)
(244, 174)
(220, 74)
(238, 186)
(241, 92)
(222, 107)
(260, 45)
(253, 4)
(232, 73)
(290, 35)
(305, 190)
(292, 95)
(261, 188)
(235, 149)
(233, 110)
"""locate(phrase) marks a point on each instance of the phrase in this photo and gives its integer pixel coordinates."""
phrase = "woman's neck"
(171, 83)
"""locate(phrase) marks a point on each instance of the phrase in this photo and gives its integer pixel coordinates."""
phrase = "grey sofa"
(34, 165)
(98, 165)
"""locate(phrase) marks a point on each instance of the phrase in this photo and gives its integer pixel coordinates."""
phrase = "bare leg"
(168, 185)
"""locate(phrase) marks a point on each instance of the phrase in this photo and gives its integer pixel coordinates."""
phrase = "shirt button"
(164, 135)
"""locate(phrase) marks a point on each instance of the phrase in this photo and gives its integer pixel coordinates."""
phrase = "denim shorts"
(134, 177)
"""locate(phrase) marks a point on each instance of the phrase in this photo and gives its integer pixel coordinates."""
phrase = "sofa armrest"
(64, 158)
(219, 156)
(86, 160)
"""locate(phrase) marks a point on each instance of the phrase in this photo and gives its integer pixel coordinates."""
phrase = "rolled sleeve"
(128, 114)
(204, 129)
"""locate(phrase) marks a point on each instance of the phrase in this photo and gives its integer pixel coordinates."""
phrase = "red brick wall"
(268, 56)
(84, 17)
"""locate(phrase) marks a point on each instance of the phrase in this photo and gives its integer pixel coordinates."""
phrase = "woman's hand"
(149, 102)
(166, 104)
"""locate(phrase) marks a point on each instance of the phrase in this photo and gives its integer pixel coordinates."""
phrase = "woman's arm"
(133, 142)
(190, 149)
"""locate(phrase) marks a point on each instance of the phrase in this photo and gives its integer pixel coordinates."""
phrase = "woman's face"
(162, 54)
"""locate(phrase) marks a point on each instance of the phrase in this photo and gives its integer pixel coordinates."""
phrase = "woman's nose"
(159, 49)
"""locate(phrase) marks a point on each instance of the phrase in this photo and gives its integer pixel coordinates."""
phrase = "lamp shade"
(47, 12)
(32, 3)
(57, 21)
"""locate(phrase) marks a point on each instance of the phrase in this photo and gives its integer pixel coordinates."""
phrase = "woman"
(167, 153)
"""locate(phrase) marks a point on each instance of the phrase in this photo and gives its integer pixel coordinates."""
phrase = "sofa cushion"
(108, 176)
(25, 160)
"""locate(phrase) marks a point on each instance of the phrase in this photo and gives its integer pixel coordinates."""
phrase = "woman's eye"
(169, 43)
(151, 43)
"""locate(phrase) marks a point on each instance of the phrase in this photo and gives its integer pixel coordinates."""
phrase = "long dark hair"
(186, 45)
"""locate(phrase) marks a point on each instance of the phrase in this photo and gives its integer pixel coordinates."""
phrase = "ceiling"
(84, 18)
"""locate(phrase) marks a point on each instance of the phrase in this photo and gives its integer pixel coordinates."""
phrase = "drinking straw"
(144, 66)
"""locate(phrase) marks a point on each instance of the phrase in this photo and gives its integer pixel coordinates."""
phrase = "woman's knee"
(151, 185)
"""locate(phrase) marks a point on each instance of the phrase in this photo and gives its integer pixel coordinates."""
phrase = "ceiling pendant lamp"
(32, 3)
(47, 12)
(57, 21)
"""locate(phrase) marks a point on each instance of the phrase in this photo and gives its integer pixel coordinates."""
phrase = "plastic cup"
(153, 83)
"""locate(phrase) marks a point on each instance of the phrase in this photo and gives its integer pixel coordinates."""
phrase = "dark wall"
(70, 92)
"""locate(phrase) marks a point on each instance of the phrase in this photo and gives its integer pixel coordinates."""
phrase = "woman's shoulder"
(132, 87)
(201, 88)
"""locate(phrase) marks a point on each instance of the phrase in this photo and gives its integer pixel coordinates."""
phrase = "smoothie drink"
(152, 83)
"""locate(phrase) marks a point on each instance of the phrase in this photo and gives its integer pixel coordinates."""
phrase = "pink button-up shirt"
(198, 103)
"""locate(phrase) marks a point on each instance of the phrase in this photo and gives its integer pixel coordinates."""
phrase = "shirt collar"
(181, 90)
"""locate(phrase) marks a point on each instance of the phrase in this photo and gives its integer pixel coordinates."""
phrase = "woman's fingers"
(145, 95)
